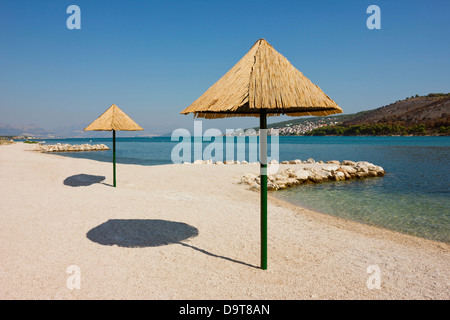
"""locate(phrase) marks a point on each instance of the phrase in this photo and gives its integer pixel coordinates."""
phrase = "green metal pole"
(263, 177)
(114, 158)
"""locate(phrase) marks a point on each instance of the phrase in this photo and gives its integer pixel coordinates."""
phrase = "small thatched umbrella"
(113, 120)
(263, 83)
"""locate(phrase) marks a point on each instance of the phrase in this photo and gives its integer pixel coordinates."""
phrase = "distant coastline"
(414, 116)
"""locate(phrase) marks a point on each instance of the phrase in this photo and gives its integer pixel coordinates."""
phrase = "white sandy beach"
(188, 232)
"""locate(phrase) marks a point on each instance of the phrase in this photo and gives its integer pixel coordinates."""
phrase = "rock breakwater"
(314, 172)
(69, 148)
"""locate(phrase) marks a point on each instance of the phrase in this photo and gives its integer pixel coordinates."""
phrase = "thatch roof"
(113, 119)
(262, 79)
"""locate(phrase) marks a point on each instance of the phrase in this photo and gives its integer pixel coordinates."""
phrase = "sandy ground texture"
(188, 232)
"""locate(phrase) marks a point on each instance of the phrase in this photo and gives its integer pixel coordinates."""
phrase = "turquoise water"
(413, 197)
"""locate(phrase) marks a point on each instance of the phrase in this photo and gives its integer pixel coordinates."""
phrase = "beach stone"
(199, 162)
(273, 161)
(372, 173)
(348, 163)
(302, 175)
(237, 162)
(364, 163)
(362, 169)
(349, 169)
(346, 174)
(218, 162)
(310, 160)
(361, 175)
(333, 162)
(339, 176)
(320, 161)
(249, 178)
(285, 162)
(229, 162)
(318, 176)
(330, 167)
(290, 172)
(282, 176)
(292, 182)
(244, 162)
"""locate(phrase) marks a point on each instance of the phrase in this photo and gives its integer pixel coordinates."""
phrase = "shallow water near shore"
(413, 196)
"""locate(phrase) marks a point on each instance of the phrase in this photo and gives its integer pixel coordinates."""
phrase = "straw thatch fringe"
(262, 79)
(113, 119)
(217, 115)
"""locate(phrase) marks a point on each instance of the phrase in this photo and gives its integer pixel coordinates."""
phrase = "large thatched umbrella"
(113, 120)
(263, 83)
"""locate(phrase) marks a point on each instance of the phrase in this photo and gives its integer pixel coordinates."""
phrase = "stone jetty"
(69, 148)
(314, 172)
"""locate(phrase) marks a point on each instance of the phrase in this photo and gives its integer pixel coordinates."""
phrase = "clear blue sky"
(153, 58)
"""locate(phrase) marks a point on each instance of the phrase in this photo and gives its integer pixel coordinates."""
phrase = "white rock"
(218, 162)
(330, 167)
(273, 161)
(362, 168)
(364, 163)
(338, 176)
(349, 169)
(318, 175)
(302, 174)
(348, 163)
(199, 162)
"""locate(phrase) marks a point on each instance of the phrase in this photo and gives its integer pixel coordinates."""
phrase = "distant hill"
(418, 115)
(298, 126)
(300, 121)
(415, 110)
(27, 130)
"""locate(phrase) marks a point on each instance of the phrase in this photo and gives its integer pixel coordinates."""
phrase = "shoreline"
(371, 230)
(51, 220)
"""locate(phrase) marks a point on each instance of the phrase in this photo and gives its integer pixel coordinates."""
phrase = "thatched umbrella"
(263, 83)
(113, 120)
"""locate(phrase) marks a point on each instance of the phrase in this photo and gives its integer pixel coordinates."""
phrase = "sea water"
(413, 196)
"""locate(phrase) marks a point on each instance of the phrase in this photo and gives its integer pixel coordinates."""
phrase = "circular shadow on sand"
(83, 180)
(138, 233)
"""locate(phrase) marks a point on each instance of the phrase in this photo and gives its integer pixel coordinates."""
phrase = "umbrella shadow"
(141, 233)
(84, 180)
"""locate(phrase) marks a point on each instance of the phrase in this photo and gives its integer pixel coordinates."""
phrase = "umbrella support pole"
(114, 158)
(263, 179)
